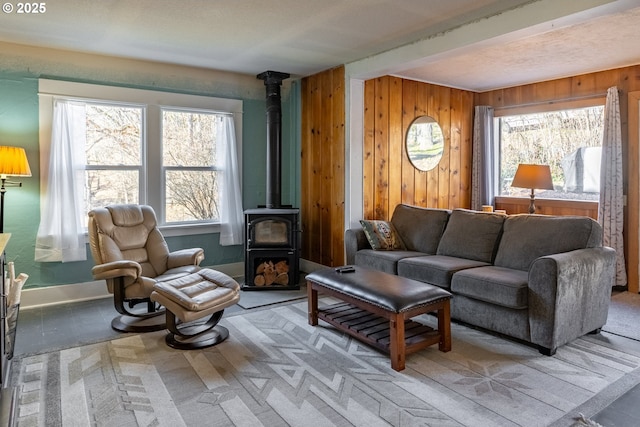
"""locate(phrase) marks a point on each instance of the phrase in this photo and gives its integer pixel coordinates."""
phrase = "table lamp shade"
(13, 162)
(533, 176)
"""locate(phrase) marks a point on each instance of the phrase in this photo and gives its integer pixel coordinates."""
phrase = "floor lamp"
(13, 162)
(533, 176)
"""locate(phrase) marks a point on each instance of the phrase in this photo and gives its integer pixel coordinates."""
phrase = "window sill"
(173, 230)
(177, 230)
(515, 205)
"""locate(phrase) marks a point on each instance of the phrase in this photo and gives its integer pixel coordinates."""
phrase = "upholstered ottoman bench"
(377, 308)
(192, 297)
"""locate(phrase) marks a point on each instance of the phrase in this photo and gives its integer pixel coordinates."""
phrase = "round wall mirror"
(425, 143)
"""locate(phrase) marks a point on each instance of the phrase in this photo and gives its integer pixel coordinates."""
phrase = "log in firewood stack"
(270, 274)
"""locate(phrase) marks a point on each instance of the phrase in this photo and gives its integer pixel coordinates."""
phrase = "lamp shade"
(13, 161)
(533, 176)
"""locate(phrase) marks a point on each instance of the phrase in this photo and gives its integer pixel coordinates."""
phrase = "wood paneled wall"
(391, 104)
(389, 178)
(582, 87)
(323, 167)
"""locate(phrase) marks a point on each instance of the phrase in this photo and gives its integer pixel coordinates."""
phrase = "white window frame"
(595, 101)
(142, 175)
(154, 102)
(165, 168)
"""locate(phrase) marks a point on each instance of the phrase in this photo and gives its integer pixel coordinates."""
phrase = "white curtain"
(484, 166)
(60, 234)
(610, 211)
(230, 195)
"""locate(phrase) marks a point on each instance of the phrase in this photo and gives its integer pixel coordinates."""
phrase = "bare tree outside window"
(113, 153)
(568, 141)
(150, 147)
(189, 159)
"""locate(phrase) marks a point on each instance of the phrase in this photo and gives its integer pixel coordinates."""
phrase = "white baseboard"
(61, 294)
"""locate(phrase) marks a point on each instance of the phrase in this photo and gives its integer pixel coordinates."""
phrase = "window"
(149, 147)
(114, 154)
(569, 141)
(188, 163)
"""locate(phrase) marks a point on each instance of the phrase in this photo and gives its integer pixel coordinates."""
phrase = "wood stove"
(272, 232)
(272, 249)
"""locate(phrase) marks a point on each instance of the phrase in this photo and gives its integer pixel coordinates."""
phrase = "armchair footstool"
(192, 297)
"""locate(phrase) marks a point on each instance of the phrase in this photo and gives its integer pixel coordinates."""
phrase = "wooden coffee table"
(377, 308)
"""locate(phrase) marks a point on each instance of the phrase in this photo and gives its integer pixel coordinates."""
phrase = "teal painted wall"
(19, 127)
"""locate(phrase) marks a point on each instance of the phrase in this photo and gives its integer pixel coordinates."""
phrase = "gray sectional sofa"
(542, 279)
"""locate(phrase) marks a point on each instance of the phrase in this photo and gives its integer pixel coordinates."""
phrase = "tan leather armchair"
(131, 255)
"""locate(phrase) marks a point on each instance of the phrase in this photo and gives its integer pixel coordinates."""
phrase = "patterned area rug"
(276, 370)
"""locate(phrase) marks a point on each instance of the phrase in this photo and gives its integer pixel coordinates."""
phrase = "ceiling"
(470, 44)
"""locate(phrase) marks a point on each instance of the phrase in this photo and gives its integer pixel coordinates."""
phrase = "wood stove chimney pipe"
(272, 81)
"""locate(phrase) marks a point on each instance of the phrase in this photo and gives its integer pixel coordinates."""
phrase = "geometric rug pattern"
(277, 370)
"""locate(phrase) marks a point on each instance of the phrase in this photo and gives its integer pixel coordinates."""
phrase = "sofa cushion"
(498, 285)
(472, 235)
(434, 269)
(527, 237)
(420, 228)
(382, 235)
(383, 260)
(493, 317)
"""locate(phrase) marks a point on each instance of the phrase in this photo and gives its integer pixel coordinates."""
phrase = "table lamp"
(13, 162)
(533, 176)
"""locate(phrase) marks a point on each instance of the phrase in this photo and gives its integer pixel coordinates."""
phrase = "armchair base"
(133, 321)
(197, 336)
(189, 299)
(144, 323)
(210, 338)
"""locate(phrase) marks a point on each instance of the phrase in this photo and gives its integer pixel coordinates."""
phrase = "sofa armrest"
(354, 240)
(569, 295)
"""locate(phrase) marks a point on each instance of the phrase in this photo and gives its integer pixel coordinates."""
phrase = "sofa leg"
(595, 331)
(546, 351)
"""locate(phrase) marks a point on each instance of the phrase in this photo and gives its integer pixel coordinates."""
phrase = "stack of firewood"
(270, 274)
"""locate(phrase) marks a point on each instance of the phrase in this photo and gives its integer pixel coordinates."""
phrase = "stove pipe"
(272, 81)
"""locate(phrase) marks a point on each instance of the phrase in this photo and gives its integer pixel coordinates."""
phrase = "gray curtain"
(610, 211)
(484, 169)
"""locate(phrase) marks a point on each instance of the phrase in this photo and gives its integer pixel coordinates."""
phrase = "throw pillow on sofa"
(382, 235)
